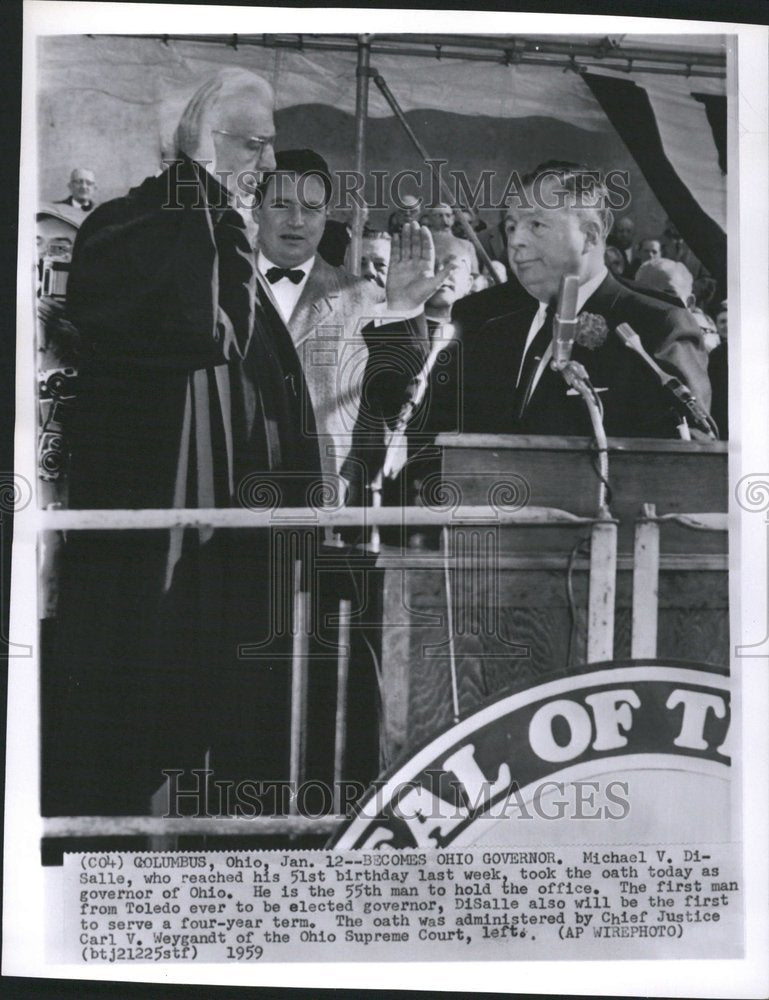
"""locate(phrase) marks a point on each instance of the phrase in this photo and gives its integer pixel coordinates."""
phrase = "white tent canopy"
(135, 86)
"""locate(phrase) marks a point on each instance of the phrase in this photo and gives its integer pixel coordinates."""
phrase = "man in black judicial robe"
(187, 390)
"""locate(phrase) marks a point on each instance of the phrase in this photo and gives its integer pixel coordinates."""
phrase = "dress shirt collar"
(285, 293)
(589, 288)
(585, 291)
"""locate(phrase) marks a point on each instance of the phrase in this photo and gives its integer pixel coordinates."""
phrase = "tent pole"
(446, 191)
(361, 115)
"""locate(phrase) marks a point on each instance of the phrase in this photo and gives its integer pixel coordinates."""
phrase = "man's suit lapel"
(604, 299)
(508, 350)
(493, 357)
(318, 299)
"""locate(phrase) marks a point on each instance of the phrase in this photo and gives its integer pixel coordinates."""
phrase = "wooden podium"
(519, 594)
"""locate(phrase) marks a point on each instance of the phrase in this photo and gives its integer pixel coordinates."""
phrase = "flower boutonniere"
(592, 330)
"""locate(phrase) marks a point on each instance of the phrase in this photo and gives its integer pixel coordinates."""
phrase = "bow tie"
(273, 274)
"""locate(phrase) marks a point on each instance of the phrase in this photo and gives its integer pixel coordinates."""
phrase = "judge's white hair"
(203, 110)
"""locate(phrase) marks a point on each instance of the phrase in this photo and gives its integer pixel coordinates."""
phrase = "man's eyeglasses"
(253, 142)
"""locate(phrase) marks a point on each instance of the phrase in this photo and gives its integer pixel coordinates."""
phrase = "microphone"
(564, 331)
(681, 396)
(565, 322)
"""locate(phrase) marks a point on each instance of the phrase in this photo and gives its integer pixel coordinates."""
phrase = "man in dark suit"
(648, 249)
(507, 384)
(621, 237)
(82, 188)
(337, 235)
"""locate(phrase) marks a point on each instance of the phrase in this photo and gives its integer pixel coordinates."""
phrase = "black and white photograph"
(389, 570)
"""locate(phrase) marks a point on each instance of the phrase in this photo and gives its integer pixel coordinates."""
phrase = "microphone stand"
(375, 544)
(576, 377)
(565, 326)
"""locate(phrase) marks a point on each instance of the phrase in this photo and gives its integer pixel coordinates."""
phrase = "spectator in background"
(337, 235)
(82, 188)
(408, 211)
(439, 218)
(481, 279)
(471, 217)
(722, 321)
(667, 276)
(375, 257)
(457, 228)
(622, 237)
(704, 291)
(674, 248)
(615, 261)
(649, 248)
(454, 255)
(674, 278)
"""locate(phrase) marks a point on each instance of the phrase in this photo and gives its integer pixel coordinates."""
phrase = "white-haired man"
(162, 291)
(162, 284)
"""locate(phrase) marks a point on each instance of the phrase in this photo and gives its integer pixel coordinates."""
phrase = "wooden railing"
(600, 638)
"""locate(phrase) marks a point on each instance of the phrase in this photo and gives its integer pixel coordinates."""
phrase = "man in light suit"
(508, 385)
(353, 379)
(325, 308)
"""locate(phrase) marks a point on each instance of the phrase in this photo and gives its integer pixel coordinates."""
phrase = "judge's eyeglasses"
(256, 143)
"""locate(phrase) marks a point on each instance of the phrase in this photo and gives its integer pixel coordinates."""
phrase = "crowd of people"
(226, 343)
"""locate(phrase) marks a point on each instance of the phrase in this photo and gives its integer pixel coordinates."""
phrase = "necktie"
(274, 274)
(531, 361)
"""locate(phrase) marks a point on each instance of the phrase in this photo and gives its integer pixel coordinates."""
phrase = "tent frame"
(507, 50)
